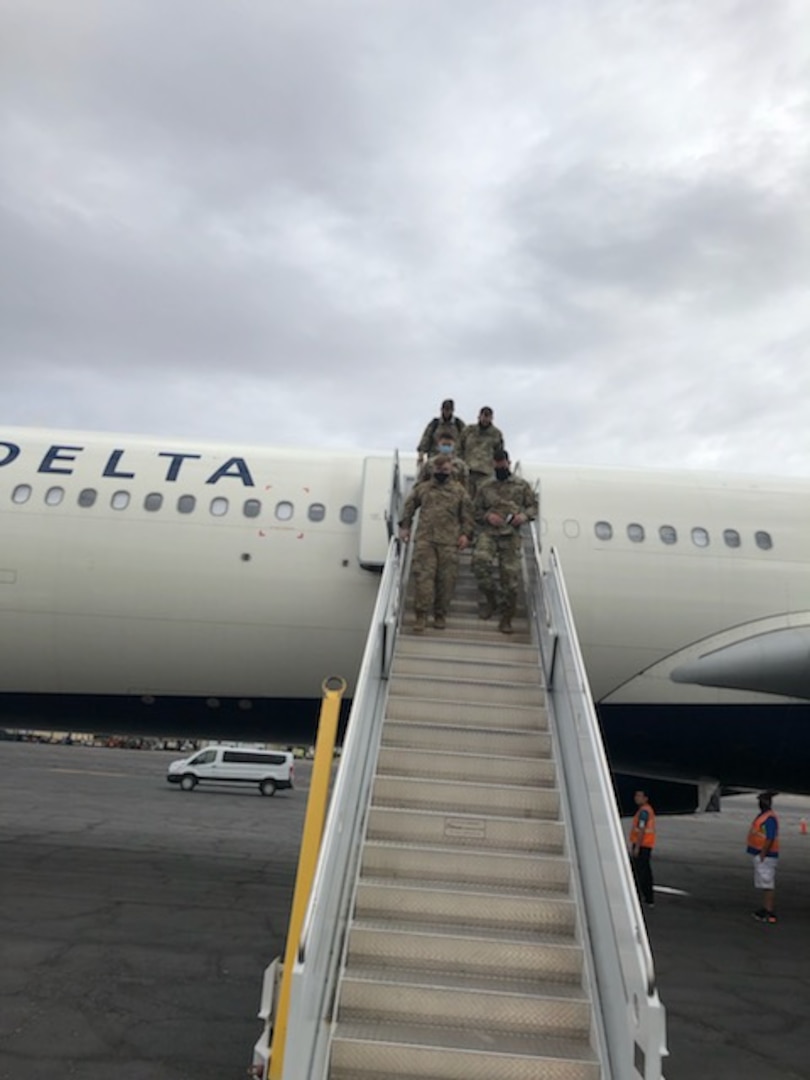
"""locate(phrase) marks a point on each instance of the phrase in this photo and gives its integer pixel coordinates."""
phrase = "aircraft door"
(379, 510)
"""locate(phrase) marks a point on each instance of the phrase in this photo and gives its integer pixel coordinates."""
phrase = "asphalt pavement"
(136, 921)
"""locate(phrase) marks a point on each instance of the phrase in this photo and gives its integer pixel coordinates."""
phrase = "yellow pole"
(333, 689)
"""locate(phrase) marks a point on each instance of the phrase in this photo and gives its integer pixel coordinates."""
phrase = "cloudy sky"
(307, 223)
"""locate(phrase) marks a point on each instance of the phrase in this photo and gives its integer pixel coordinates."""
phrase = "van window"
(205, 758)
(247, 756)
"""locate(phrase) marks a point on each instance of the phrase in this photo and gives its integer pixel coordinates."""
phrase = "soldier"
(478, 443)
(447, 445)
(502, 505)
(445, 529)
(446, 421)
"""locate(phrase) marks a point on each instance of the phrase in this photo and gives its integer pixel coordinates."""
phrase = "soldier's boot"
(439, 621)
(487, 609)
(419, 623)
(505, 625)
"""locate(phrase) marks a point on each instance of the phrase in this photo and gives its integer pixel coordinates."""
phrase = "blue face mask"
(445, 449)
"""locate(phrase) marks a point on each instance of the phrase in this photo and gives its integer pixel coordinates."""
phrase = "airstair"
(465, 956)
(473, 916)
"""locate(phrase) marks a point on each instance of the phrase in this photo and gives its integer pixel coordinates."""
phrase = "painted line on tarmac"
(89, 772)
(668, 890)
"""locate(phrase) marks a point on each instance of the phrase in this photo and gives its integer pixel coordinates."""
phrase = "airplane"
(184, 588)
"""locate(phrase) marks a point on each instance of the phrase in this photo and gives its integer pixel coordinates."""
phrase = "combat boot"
(439, 622)
(419, 623)
(487, 609)
(505, 625)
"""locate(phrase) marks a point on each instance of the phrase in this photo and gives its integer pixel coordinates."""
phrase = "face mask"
(441, 477)
(501, 474)
(445, 449)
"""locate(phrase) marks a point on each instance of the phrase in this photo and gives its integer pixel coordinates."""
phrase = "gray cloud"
(309, 223)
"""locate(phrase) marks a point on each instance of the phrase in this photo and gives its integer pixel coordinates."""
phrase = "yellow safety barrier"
(333, 690)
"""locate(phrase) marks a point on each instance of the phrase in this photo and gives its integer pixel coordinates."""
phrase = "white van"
(270, 769)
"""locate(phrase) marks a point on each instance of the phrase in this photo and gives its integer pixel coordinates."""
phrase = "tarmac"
(136, 921)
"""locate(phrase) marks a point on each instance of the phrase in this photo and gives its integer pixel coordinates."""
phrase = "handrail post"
(333, 690)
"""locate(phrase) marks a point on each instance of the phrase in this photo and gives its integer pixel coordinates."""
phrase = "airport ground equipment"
(473, 915)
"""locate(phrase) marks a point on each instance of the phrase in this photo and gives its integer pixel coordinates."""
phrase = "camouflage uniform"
(478, 444)
(499, 545)
(460, 471)
(429, 443)
(446, 514)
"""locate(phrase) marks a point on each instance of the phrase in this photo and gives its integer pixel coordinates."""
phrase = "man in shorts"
(763, 847)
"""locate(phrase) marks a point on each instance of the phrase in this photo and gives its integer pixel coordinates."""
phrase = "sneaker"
(439, 622)
(764, 916)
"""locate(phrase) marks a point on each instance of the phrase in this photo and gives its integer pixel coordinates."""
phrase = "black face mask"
(441, 477)
(501, 474)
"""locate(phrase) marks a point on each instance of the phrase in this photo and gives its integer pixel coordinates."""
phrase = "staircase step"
(459, 1002)
(363, 1052)
(447, 648)
(455, 797)
(466, 830)
(439, 737)
(493, 670)
(412, 863)
(462, 907)
(545, 957)
(474, 714)
(472, 692)
(463, 765)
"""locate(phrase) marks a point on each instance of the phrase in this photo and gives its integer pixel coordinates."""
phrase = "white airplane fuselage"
(156, 585)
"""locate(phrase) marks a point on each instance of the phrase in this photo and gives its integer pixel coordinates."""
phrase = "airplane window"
(348, 514)
(54, 495)
(252, 508)
(731, 537)
(87, 497)
(763, 540)
(186, 503)
(284, 511)
(668, 534)
(219, 506)
(635, 532)
(603, 530)
(21, 493)
(316, 512)
(700, 537)
(571, 528)
(153, 501)
(120, 500)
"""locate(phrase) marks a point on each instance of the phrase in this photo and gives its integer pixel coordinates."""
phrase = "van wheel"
(188, 782)
(267, 787)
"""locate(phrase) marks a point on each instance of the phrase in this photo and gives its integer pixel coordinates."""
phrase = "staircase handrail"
(321, 942)
(633, 1016)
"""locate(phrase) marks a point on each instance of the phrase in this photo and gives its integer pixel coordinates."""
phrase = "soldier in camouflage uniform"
(445, 421)
(502, 505)
(447, 445)
(478, 443)
(445, 529)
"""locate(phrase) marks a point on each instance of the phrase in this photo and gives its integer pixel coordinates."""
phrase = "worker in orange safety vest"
(642, 842)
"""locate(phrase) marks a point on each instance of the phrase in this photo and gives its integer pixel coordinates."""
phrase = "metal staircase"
(464, 955)
(472, 890)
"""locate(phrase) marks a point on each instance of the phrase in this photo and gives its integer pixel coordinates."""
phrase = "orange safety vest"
(757, 837)
(648, 839)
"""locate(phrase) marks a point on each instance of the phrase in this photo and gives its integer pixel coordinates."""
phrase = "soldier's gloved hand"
(494, 519)
(463, 542)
